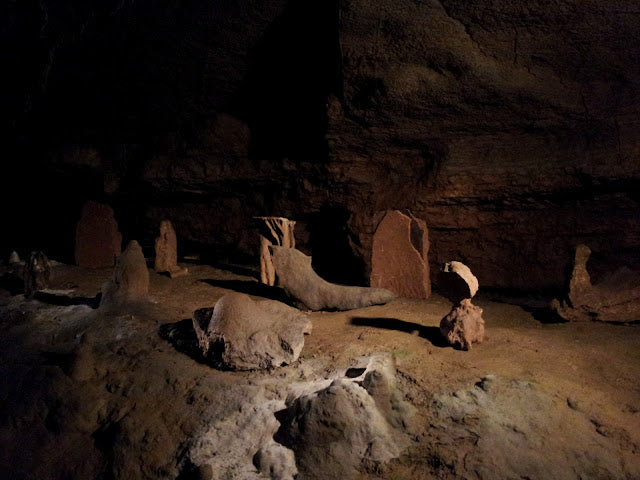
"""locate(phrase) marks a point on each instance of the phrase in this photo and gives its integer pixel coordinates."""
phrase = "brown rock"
(273, 231)
(457, 282)
(166, 247)
(244, 334)
(298, 279)
(399, 257)
(615, 299)
(130, 281)
(463, 325)
(37, 272)
(98, 241)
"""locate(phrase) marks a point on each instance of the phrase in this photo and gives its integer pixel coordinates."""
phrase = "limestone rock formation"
(463, 325)
(130, 279)
(273, 231)
(457, 282)
(298, 279)
(399, 259)
(244, 334)
(37, 272)
(615, 299)
(166, 248)
(98, 241)
(339, 430)
(14, 258)
(276, 462)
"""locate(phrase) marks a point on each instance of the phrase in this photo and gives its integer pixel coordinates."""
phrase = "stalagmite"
(273, 231)
(166, 247)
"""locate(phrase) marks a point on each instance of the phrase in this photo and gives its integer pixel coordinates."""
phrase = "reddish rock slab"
(457, 282)
(166, 247)
(98, 241)
(399, 260)
(463, 325)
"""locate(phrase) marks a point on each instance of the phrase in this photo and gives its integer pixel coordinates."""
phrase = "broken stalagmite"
(98, 241)
(298, 279)
(130, 280)
(615, 299)
(399, 256)
(273, 231)
(464, 324)
(243, 334)
(166, 247)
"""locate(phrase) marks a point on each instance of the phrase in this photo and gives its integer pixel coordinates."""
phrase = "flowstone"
(298, 279)
(243, 334)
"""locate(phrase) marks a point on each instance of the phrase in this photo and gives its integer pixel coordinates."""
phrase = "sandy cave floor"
(93, 394)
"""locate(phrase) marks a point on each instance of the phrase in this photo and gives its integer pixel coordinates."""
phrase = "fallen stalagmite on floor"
(298, 279)
(464, 324)
(399, 256)
(244, 334)
(166, 247)
(130, 280)
(615, 299)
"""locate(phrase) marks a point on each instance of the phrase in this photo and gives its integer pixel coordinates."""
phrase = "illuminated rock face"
(399, 258)
(463, 326)
(98, 241)
(509, 127)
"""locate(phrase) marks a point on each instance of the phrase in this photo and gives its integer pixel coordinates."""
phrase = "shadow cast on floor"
(67, 301)
(249, 287)
(429, 333)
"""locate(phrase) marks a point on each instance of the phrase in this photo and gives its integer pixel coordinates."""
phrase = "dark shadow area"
(11, 283)
(544, 314)
(429, 333)
(332, 253)
(182, 337)
(536, 303)
(66, 301)
(252, 288)
(237, 269)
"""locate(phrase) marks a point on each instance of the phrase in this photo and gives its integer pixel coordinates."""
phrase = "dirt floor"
(90, 393)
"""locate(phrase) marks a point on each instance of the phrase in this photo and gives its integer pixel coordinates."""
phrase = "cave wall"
(510, 128)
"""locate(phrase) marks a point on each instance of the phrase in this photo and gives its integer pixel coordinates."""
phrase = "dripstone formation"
(614, 299)
(98, 241)
(37, 272)
(166, 247)
(298, 279)
(243, 334)
(464, 324)
(399, 256)
(273, 231)
(130, 280)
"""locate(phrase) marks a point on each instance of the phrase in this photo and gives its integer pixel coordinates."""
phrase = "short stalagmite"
(298, 279)
(130, 280)
(614, 299)
(463, 325)
(273, 231)
(166, 247)
(243, 334)
(37, 272)
(399, 256)
(98, 241)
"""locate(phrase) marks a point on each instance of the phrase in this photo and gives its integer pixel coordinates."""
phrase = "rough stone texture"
(510, 127)
(37, 272)
(130, 279)
(244, 334)
(276, 462)
(98, 241)
(338, 431)
(298, 279)
(166, 248)
(399, 257)
(273, 231)
(615, 299)
(457, 282)
(463, 325)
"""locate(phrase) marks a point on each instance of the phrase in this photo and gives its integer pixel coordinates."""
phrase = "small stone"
(457, 282)
(130, 280)
(98, 241)
(463, 326)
